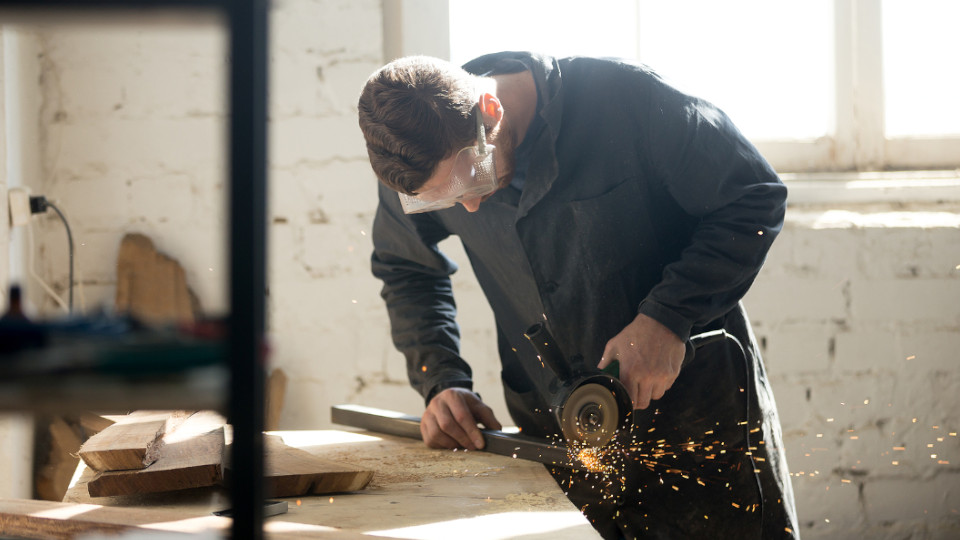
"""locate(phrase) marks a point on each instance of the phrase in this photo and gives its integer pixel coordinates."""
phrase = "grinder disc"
(590, 416)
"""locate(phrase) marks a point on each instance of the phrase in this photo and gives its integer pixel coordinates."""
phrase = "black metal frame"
(248, 38)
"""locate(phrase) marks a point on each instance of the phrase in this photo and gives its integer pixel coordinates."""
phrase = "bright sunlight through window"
(769, 65)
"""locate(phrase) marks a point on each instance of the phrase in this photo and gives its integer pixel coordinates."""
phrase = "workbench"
(416, 492)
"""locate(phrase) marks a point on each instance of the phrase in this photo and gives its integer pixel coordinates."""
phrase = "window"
(817, 85)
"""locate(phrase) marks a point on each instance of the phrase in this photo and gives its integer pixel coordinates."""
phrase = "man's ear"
(491, 108)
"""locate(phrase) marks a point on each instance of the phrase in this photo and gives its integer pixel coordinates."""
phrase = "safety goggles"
(473, 175)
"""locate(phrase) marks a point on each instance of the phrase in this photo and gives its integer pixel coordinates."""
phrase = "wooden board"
(131, 444)
(191, 456)
(44, 519)
(150, 285)
(93, 423)
(56, 457)
(291, 472)
(416, 492)
(276, 394)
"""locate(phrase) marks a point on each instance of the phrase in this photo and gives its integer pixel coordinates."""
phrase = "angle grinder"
(592, 407)
(589, 407)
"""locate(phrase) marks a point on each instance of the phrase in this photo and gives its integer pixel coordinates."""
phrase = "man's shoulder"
(504, 62)
(606, 65)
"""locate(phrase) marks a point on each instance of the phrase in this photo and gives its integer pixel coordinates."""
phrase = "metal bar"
(248, 194)
(496, 442)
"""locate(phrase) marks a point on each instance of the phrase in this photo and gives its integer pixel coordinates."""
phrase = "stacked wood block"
(151, 452)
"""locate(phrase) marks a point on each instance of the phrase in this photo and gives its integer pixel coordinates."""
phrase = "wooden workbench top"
(415, 492)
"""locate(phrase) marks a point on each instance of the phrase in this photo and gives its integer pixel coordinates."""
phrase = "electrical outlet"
(19, 206)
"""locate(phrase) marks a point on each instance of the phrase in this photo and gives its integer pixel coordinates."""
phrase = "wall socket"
(19, 198)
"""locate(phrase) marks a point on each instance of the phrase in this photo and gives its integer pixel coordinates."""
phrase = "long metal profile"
(496, 442)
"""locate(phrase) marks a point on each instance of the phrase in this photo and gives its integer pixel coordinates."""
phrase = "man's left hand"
(650, 357)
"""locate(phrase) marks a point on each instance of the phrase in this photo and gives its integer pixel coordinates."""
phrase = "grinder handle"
(691, 346)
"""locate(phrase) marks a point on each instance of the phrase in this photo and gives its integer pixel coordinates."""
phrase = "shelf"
(198, 389)
(248, 26)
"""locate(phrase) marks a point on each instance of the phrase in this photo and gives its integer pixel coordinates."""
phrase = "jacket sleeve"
(419, 296)
(715, 175)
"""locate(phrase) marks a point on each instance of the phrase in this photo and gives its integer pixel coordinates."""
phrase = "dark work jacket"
(637, 199)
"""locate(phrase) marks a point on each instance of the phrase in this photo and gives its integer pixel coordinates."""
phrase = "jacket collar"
(547, 76)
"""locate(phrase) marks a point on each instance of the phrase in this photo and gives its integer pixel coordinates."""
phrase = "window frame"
(857, 143)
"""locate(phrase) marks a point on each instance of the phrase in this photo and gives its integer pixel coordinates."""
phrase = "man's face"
(467, 177)
(504, 163)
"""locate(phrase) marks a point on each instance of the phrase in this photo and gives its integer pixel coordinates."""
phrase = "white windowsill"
(873, 187)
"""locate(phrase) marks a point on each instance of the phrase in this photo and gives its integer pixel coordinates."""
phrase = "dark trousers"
(705, 461)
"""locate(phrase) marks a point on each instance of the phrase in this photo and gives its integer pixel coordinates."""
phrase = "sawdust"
(533, 501)
(414, 467)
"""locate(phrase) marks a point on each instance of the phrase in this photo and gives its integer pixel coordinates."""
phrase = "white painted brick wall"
(16, 429)
(858, 314)
(856, 308)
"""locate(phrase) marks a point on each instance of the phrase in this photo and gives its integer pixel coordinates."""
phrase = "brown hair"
(415, 112)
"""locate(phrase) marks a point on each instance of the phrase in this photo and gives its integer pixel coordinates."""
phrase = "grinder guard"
(590, 408)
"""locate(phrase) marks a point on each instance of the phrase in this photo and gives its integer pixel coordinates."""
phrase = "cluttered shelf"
(110, 363)
(240, 352)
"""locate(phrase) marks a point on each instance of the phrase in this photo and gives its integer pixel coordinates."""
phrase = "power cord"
(38, 205)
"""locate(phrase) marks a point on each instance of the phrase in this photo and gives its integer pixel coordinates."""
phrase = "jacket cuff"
(443, 385)
(667, 317)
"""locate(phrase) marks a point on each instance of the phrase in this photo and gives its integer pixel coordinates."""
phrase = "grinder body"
(590, 408)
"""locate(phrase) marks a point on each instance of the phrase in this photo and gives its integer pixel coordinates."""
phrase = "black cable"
(40, 204)
(750, 385)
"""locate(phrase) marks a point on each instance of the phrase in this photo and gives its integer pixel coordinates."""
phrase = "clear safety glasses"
(473, 175)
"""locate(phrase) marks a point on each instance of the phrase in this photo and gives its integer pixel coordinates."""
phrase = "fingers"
(610, 353)
(484, 414)
(608, 357)
(646, 391)
(435, 438)
(642, 395)
(450, 420)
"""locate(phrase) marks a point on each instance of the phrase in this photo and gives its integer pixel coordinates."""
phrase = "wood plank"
(94, 423)
(190, 457)
(275, 397)
(45, 519)
(414, 488)
(291, 472)
(56, 458)
(150, 285)
(132, 444)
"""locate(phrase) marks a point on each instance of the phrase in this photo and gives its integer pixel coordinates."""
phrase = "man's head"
(417, 114)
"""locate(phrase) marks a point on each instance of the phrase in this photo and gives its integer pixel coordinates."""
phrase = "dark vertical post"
(248, 179)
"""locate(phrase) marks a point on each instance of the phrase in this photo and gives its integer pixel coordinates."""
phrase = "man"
(626, 216)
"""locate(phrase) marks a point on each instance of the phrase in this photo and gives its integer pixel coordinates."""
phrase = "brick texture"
(857, 311)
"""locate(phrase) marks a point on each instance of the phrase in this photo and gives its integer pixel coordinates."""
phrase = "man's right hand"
(451, 418)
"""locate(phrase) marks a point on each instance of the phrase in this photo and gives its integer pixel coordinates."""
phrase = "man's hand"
(650, 357)
(450, 420)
